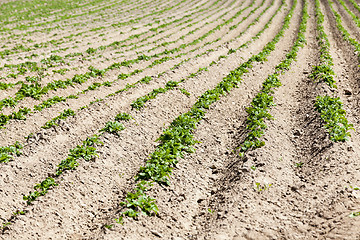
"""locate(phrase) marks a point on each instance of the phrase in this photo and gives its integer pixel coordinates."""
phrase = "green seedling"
(354, 214)
(113, 127)
(299, 164)
(18, 212)
(108, 226)
(123, 117)
(259, 187)
(183, 90)
(353, 188)
(334, 116)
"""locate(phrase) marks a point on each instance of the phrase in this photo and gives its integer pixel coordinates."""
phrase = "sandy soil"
(213, 192)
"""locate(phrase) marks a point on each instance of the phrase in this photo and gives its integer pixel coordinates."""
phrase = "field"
(220, 119)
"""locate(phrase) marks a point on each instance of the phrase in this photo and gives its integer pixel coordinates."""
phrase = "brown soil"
(213, 193)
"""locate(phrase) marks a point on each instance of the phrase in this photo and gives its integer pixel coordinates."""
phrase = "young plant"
(113, 127)
(334, 116)
(123, 117)
(259, 187)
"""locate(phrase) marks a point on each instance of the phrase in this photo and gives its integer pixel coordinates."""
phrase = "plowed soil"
(308, 183)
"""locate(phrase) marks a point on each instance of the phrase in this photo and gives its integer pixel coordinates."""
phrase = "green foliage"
(108, 226)
(183, 90)
(86, 151)
(123, 117)
(4, 119)
(113, 127)
(178, 139)
(123, 76)
(32, 79)
(33, 90)
(355, 18)
(4, 86)
(20, 115)
(7, 153)
(52, 61)
(8, 102)
(61, 71)
(263, 101)
(331, 112)
(262, 187)
(345, 33)
(96, 72)
(354, 214)
(91, 51)
(48, 103)
(40, 190)
(18, 212)
(140, 102)
(64, 115)
(146, 79)
(324, 71)
(139, 202)
(299, 164)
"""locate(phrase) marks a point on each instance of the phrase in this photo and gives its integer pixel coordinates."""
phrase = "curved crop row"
(344, 32)
(102, 47)
(114, 27)
(354, 17)
(55, 42)
(140, 102)
(147, 79)
(55, 61)
(84, 151)
(178, 139)
(261, 104)
(36, 91)
(330, 108)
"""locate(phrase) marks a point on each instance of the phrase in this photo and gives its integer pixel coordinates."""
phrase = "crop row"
(147, 79)
(178, 139)
(36, 91)
(69, 82)
(330, 108)
(19, 48)
(86, 13)
(344, 32)
(113, 44)
(263, 101)
(42, 10)
(86, 151)
(54, 61)
(113, 26)
(140, 102)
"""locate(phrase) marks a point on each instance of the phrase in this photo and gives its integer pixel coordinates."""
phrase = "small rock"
(297, 133)
(347, 92)
(212, 178)
(156, 233)
(244, 170)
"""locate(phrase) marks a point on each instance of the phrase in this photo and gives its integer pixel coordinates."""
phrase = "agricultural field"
(220, 119)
